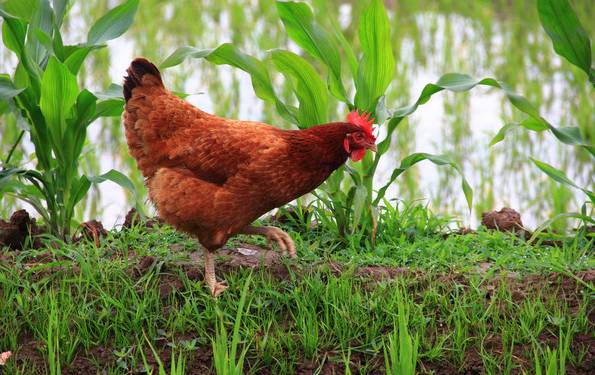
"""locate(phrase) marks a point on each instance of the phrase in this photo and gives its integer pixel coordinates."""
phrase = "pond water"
(499, 38)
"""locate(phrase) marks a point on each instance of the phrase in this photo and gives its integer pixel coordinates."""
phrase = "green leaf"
(60, 9)
(529, 123)
(309, 35)
(110, 108)
(113, 24)
(7, 89)
(569, 38)
(77, 130)
(76, 58)
(59, 91)
(461, 82)
(22, 9)
(119, 179)
(559, 176)
(113, 91)
(227, 54)
(79, 190)
(42, 23)
(311, 90)
(360, 198)
(415, 158)
(14, 32)
(182, 54)
(377, 66)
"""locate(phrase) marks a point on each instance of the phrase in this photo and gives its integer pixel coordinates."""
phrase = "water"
(498, 38)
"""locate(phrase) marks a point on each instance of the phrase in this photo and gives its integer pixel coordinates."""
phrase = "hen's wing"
(166, 131)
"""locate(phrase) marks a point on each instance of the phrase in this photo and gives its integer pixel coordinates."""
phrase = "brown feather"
(211, 176)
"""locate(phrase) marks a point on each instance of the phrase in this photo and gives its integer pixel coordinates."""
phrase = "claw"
(276, 235)
(282, 239)
(217, 288)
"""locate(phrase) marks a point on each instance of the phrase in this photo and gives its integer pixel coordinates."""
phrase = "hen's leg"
(215, 286)
(273, 234)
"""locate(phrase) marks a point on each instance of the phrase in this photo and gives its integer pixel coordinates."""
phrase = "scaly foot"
(217, 287)
(274, 234)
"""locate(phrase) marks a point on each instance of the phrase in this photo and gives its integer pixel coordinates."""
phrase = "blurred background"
(502, 39)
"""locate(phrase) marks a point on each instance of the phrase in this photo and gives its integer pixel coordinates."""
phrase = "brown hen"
(212, 177)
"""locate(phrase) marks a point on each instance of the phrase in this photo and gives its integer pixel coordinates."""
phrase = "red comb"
(362, 120)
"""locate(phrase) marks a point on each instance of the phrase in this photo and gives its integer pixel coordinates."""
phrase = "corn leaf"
(182, 54)
(76, 57)
(110, 108)
(7, 89)
(310, 91)
(309, 35)
(23, 9)
(120, 179)
(42, 25)
(59, 91)
(377, 66)
(113, 24)
(461, 82)
(13, 34)
(415, 158)
(60, 9)
(569, 38)
(559, 176)
(228, 54)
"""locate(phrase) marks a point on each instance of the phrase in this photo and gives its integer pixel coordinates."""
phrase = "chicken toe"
(274, 234)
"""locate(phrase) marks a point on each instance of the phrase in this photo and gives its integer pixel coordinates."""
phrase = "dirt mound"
(134, 218)
(505, 220)
(92, 230)
(15, 232)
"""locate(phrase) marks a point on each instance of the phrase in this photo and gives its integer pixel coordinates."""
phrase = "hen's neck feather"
(321, 145)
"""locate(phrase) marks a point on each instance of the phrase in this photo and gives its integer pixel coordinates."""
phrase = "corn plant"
(349, 193)
(44, 96)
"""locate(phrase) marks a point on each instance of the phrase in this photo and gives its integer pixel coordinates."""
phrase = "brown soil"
(230, 260)
(92, 230)
(95, 359)
(505, 220)
(14, 233)
(133, 218)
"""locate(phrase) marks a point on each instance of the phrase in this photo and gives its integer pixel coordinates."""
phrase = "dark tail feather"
(138, 68)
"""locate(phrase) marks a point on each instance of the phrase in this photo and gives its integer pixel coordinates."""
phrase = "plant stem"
(14, 146)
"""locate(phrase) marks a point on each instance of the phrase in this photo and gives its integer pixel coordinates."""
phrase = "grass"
(446, 304)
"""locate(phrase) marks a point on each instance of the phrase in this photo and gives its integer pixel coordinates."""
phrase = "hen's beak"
(372, 146)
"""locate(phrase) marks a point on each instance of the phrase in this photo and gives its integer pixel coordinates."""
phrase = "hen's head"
(356, 143)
